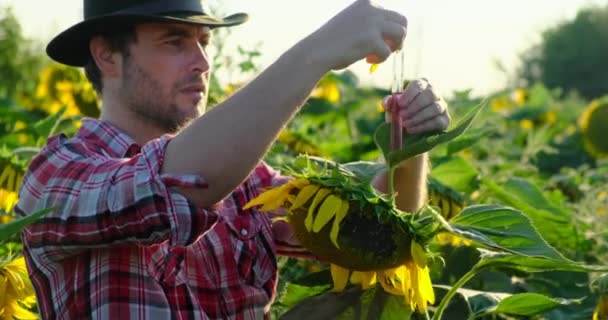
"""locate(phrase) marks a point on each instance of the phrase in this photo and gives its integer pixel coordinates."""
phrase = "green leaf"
(504, 229)
(527, 304)
(326, 306)
(364, 170)
(467, 140)
(395, 309)
(533, 196)
(295, 293)
(492, 259)
(415, 144)
(17, 225)
(482, 303)
(457, 173)
(46, 127)
(539, 96)
(554, 223)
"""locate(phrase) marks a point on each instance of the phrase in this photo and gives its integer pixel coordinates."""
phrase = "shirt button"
(244, 232)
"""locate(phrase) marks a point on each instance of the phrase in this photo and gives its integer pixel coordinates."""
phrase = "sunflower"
(520, 96)
(334, 216)
(60, 86)
(593, 126)
(601, 310)
(449, 202)
(600, 287)
(16, 291)
(8, 200)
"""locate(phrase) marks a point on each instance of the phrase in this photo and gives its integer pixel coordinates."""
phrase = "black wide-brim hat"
(71, 46)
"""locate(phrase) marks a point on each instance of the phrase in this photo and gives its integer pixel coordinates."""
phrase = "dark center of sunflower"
(374, 237)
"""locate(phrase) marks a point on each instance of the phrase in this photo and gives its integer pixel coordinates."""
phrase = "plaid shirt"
(123, 243)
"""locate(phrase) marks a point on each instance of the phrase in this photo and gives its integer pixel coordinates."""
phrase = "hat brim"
(71, 47)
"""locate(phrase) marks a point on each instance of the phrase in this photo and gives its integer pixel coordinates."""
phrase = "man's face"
(165, 79)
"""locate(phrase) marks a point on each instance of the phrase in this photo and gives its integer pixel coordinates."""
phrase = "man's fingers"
(414, 88)
(381, 50)
(426, 97)
(435, 124)
(431, 111)
(393, 34)
(394, 17)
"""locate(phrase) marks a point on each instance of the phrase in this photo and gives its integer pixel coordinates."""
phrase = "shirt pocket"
(244, 233)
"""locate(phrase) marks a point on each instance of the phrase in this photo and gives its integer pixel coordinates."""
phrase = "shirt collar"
(108, 137)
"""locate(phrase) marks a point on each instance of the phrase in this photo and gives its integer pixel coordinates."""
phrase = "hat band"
(164, 6)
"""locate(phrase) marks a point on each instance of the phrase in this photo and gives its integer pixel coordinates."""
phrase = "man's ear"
(108, 61)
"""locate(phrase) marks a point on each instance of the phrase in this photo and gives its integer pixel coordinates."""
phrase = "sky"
(454, 44)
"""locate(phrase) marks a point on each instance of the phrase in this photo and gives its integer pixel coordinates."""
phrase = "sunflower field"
(514, 226)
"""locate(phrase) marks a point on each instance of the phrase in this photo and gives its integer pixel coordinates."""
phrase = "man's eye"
(174, 42)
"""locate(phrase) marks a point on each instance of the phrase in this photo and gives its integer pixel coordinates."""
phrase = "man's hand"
(360, 30)
(421, 109)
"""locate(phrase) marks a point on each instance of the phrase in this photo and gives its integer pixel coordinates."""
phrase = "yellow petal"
(275, 203)
(415, 297)
(327, 211)
(426, 287)
(298, 183)
(3, 285)
(264, 197)
(319, 196)
(279, 218)
(387, 284)
(339, 276)
(366, 279)
(14, 311)
(418, 254)
(335, 228)
(304, 195)
(373, 68)
(445, 207)
(16, 273)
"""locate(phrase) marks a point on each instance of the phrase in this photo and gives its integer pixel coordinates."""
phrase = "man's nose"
(200, 59)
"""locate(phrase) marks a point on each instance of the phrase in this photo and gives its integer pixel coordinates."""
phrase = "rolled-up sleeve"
(100, 201)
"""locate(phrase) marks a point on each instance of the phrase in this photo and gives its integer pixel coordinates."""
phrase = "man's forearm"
(411, 183)
(226, 144)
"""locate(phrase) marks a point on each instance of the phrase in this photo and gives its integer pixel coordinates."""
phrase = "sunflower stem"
(448, 296)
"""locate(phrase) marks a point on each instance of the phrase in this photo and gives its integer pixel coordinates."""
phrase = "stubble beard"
(145, 98)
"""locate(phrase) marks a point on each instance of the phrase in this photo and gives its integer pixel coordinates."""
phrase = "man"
(148, 220)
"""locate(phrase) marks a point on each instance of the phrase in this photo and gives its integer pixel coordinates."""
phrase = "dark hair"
(119, 40)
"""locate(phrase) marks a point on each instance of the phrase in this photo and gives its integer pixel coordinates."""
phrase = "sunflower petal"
(320, 195)
(328, 210)
(426, 286)
(335, 228)
(418, 254)
(279, 218)
(14, 311)
(3, 285)
(304, 195)
(367, 279)
(373, 68)
(264, 197)
(387, 284)
(339, 276)
(298, 183)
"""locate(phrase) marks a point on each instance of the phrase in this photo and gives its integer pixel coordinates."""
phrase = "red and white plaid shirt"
(124, 244)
